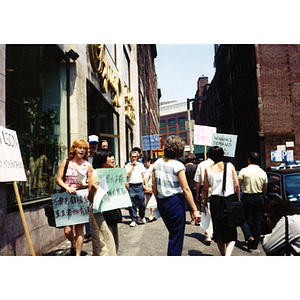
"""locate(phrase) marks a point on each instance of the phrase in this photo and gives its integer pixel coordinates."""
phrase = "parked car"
(282, 184)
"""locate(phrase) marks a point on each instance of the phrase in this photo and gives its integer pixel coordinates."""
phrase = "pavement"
(151, 239)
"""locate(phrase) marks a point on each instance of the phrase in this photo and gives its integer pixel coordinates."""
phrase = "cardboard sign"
(203, 135)
(11, 163)
(226, 141)
(71, 209)
(118, 194)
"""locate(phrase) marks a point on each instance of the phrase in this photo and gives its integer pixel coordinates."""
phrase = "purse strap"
(65, 169)
(224, 178)
(287, 248)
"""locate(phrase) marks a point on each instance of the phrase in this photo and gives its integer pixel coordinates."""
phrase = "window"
(172, 129)
(163, 130)
(182, 135)
(36, 108)
(126, 63)
(111, 48)
(172, 122)
(163, 123)
(181, 120)
(181, 128)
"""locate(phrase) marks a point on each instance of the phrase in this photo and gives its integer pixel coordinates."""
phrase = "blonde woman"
(78, 161)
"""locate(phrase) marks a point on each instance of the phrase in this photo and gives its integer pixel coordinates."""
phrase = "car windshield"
(292, 187)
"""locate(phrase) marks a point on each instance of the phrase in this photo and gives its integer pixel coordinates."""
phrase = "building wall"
(278, 80)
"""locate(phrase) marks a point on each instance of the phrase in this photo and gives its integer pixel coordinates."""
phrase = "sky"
(178, 67)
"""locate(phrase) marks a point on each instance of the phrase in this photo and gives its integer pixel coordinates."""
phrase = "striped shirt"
(167, 178)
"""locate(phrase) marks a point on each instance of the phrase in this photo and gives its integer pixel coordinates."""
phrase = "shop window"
(172, 122)
(36, 108)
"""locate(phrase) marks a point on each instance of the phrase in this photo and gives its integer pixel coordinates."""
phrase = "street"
(151, 239)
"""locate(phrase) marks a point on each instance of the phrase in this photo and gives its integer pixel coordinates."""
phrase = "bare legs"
(225, 248)
(79, 237)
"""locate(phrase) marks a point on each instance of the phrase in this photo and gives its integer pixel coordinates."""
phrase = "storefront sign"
(71, 209)
(226, 141)
(109, 80)
(203, 135)
(118, 194)
(11, 163)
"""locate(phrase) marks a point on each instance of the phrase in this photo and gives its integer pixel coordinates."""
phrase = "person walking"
(199, 179)
(136, 177)
(150, 200)
(105, 238)
(224, 235)
(190, 170)
(94, 143)
(77, 162)
(254, 180)
(171, 188)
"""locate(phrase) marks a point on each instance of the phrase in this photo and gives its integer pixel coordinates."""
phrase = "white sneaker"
(143, 220)
(132, 224)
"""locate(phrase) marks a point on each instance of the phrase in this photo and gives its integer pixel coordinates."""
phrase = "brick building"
(255, 95)
(149, 94)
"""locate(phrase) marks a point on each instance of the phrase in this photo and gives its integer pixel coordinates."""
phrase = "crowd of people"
(172, 188)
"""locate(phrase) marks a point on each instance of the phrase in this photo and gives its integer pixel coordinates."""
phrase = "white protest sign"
(203, 135)
(11, 164)
(226, 141)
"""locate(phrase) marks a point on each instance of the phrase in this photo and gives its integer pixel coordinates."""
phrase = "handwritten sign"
(117, 192)
(226, 141)
(203, 135)
(11, 164)
(71, 209)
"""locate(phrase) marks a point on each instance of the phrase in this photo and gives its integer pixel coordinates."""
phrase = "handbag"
(49, 212)
(113, 216)
(234, 210)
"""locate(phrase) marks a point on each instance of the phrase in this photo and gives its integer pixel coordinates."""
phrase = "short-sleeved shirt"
(166, 175)
(253, 178)
(136, 176)
(199, 175)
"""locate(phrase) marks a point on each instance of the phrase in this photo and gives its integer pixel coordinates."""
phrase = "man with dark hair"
(254, 180)
(283, 216)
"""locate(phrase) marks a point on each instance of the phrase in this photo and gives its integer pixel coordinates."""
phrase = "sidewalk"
(63, 249)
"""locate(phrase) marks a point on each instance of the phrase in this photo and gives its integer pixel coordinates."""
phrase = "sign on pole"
(12, 169)
(203, 135)
(11, 163)
(150, 142)
(225, 141)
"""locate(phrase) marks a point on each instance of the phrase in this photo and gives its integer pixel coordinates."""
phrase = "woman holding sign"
(73, 174)
(104, 233)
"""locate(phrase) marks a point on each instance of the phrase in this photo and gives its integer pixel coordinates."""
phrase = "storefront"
(55, 94)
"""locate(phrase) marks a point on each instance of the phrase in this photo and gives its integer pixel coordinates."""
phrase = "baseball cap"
(93, 139)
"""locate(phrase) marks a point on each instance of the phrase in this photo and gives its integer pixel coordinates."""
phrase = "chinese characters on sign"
(71, 209)
(117, 192)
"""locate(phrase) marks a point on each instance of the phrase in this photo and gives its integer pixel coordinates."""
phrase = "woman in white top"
(224, 235)
(170, 188)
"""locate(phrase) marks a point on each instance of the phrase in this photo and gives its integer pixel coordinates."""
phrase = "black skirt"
(219, 220)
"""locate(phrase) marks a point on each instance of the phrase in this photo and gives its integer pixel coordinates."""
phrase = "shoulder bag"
(113, 216)
(49, 212)
(234, 210)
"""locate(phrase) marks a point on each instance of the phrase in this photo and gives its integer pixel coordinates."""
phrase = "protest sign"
(226, 141)
(11, 164)
(71, 209)
(203, 135)
(117, 192)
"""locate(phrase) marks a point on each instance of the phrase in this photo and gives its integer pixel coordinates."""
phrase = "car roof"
(284, 171)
